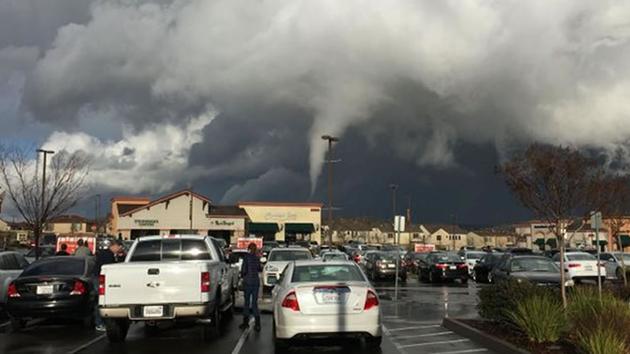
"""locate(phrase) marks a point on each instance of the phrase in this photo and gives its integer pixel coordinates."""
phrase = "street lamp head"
(45, 151)
(393, 186)
(330, 138)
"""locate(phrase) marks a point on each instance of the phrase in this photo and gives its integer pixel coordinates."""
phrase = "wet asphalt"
(412, 324)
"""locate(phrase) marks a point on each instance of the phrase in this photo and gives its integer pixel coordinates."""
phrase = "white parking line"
(415, 327)
(84, 346)
(243, 337)
(463, 351)
(433, 343)
(423, 335)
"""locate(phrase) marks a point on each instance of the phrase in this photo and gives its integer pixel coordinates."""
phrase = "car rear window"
(58, 266)
(281, 256)
(447, 258)
(320, 273)
(581, 257)
(476, 255)
(335, 256)
(170, 250)
(533, 265)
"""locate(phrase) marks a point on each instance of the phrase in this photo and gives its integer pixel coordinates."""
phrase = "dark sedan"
(443, 266)
(536, 269)
(482, 273)
(55, 287)
(382, 265)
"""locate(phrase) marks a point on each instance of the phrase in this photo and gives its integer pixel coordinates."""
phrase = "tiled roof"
(68, 219)
(163, 199)
(446, 227)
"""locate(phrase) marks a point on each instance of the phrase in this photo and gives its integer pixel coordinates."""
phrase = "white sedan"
(315, 300)
(581, 266)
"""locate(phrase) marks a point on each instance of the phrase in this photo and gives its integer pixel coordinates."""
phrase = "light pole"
(42, 211)
(331, 139)
(97, 214)
(394, 187)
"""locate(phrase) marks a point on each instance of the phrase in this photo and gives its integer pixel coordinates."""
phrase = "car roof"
(577, 252)
(317, 262)
(287, 249)
(183, 236)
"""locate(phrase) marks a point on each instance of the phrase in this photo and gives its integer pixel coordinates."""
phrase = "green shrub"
(497, 300)
(541, 317)
(588, 314)
(602, 340)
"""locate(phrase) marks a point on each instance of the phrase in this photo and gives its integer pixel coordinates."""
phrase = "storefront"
(184, 212)
(289, 222)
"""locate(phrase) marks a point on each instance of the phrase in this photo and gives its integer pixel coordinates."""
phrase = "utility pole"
(40, 219)
(397, 226)
(97, 203)
(329, 161)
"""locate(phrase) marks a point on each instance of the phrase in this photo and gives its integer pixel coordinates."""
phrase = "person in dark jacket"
(63, 251)
(251, 283)
(103, 257)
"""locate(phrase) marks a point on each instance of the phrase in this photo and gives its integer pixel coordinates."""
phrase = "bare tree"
(556, 184)
(36, 200)
(617, 209)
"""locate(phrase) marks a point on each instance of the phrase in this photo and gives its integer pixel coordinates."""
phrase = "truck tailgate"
(153, 283)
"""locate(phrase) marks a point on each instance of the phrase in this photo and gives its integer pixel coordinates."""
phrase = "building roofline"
(165, 198)
(130, 199)
(280, 204)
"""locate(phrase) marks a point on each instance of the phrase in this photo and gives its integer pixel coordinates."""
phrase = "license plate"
(44, 289)
(452, 267)
(391, 266)
(331, 298)
(153, 311)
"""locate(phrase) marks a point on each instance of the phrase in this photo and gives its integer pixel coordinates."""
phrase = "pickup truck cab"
(167, 278)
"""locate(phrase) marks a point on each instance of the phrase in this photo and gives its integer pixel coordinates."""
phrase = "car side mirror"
(263, 259)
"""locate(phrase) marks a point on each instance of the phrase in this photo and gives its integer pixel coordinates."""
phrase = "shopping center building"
(189, 212)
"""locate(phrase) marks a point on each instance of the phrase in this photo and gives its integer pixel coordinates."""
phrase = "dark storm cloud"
(238, 93)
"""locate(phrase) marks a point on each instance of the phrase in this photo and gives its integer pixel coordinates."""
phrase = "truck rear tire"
(116, 329)
(213, 330)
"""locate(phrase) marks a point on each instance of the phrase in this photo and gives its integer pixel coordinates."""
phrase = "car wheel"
(17, 324)
(474, 275)
(213, 330)
(373, 342)
(619, 273)
(281, 346)
(431, 277)
(116, 329)
(490, 277)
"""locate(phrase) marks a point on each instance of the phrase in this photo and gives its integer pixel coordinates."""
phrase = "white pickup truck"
(167, 278)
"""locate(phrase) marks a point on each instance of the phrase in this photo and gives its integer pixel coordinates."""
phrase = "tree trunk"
(563, 288)
(37, 231)
(623, 264)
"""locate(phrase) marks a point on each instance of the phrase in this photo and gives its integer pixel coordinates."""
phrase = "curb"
(490, 342)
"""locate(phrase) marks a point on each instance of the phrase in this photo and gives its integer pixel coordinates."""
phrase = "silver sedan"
(320, 300)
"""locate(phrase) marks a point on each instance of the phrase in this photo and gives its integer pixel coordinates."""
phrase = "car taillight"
(462, 266)
(79, 288)
(12, 291)
(574, 265)
(101, 284)
(291, 302)
(371, 300)
(205, 282)
(441, 266)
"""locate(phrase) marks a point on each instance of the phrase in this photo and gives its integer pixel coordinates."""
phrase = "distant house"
(447, 237)
(4, 226)
(67, 224)
(500, 237)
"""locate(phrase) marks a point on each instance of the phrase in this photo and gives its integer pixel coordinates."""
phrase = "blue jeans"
(98, 321)
(251, 302)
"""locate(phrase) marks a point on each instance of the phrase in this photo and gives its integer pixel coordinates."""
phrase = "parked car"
(581, 266)
(11, 266)
(278, 260)
(612, 263)
(268, 246)
(440, 266)
(413, 259)
(334, 256)
(166, 278)
(325, 300)
(54, 287)
(382, 265)
(472, 258)
(536, 269)
(482, 272)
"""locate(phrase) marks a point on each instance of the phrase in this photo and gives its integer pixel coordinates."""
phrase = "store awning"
(601, 242)
(625, 240)
(540, 242)
(300, 228)
(255, 227)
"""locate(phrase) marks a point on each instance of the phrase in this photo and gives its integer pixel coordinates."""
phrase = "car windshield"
(580, 257)
(447, 258)
(334, 256)
(170, 250)
(281, 256)
(57, 266)
(474, 255)
(321, 273)
(533, 265)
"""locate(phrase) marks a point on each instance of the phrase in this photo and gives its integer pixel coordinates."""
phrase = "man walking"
(251, 283)
(63, 251)
(103, 257)
(82, 250)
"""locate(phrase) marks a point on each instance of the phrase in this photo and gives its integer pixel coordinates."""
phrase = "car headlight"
(270, 268)
(569, 283)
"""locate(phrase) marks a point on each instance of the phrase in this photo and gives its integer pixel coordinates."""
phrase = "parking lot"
(412, 324)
